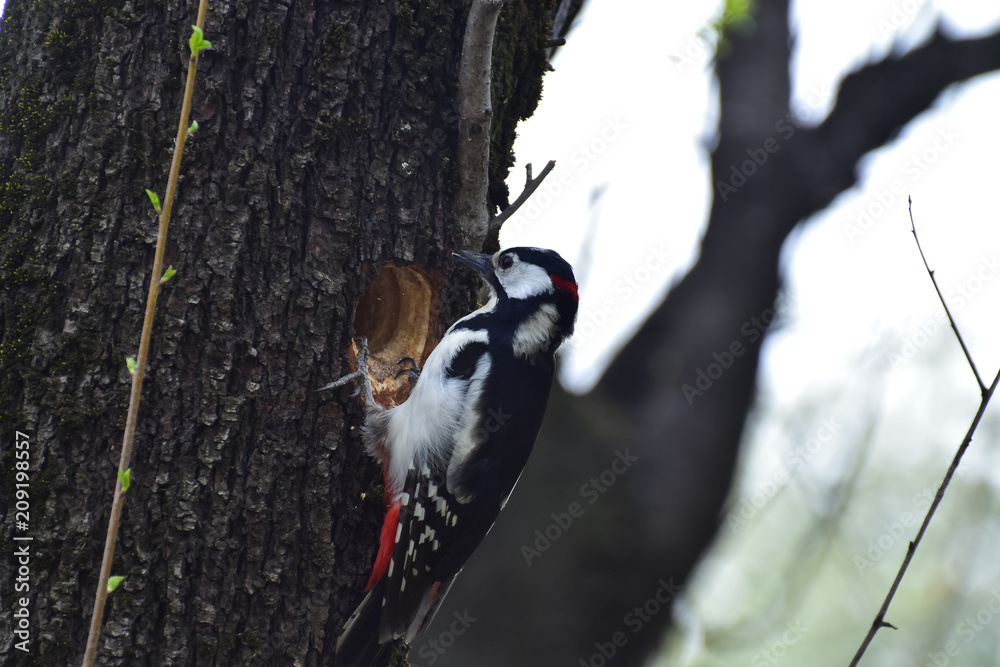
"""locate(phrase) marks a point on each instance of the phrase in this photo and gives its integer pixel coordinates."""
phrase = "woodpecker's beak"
(482, 263)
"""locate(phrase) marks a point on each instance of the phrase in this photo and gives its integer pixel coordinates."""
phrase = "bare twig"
(141, 357)
(560, 25)
(968, 357)
(987, 394)
(475, 115)
(530, 185)
(880, 621)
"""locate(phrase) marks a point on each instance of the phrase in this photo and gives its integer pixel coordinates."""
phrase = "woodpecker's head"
(531, 283)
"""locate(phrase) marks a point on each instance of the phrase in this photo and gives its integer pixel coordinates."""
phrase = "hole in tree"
(395, 314)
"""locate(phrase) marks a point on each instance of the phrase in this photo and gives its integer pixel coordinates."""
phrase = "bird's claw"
(360, 376)
(413, 372)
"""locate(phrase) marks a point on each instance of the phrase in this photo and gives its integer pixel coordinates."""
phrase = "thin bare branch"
(987, 394)
(142, 356)
(968, 357)
(475, 109)
(530, 185)
(880, 621)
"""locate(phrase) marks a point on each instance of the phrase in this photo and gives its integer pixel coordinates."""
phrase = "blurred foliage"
(820, 520)
(736, 15)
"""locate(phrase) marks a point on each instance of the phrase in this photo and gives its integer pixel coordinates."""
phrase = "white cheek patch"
(525, 280)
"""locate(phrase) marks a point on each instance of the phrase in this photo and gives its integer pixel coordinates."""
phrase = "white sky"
(631, 110)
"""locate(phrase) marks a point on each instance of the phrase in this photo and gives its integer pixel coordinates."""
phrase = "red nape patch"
(567, 286)
(386, 543)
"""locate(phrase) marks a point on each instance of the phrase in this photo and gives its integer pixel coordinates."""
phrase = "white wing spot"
(420, 431)
(399, 531)
(392, 562)
(404, 498)
(454, 520)
(418, 512)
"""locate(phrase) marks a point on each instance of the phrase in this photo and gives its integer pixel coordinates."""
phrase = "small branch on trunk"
(560, 25)
(530, 185)
(475, 110)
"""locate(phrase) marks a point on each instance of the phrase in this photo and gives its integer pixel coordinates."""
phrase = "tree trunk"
(325, 153)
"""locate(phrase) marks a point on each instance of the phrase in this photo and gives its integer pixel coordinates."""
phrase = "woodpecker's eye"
(506, 261)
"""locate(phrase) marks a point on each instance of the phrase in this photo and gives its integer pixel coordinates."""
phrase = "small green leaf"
(126, 479)
(197, 37)
(198, 41)
(130, 362)
(113, 583)
(154, 198)
(168, 274)
(193, 127)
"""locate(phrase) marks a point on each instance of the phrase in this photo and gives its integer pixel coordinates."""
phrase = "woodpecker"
(453, 451)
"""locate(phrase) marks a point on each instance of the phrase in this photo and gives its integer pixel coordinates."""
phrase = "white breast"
(422, 431)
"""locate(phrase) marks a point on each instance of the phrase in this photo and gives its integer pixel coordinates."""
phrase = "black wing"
(437, 533)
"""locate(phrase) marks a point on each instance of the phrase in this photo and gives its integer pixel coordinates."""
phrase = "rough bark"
(326, 151)
(650, 526)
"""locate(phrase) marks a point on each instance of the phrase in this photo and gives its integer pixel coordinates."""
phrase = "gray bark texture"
(326, 151)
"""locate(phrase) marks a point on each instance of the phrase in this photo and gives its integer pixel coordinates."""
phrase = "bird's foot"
(413, 372)
(360, 376)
